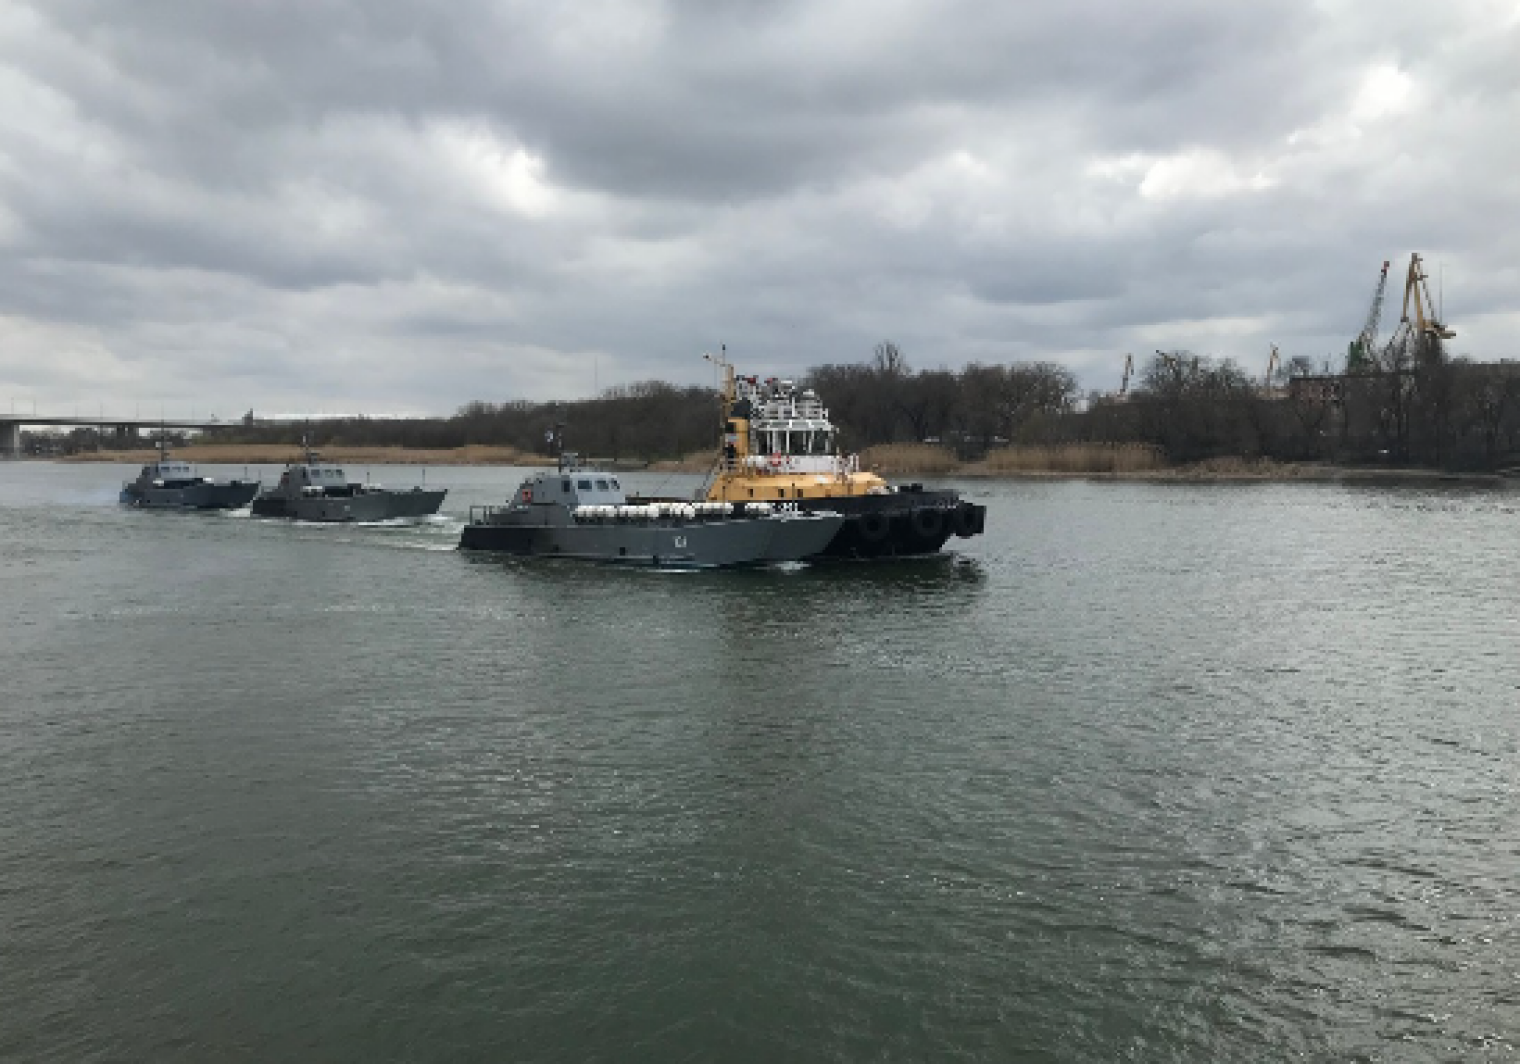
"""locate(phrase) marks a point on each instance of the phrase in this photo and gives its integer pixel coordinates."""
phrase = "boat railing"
(481, 515)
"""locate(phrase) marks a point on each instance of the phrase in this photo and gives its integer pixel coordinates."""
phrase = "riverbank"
(1129, 462)
(1132, 461)
(279, 454)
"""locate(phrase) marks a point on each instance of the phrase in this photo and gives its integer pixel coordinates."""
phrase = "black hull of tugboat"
(911, 521)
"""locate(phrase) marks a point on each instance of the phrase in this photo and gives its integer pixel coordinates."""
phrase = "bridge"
(11, 424)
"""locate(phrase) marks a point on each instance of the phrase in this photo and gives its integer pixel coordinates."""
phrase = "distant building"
(1317, 388)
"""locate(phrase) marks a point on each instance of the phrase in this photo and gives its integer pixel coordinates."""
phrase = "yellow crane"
(1416, 289)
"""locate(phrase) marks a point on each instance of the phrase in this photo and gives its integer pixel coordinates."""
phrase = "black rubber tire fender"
(963, 520)
(927, 522)
(873, 527)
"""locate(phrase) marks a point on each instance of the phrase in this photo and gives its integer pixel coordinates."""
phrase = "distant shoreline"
(280, 454)
(889, 462)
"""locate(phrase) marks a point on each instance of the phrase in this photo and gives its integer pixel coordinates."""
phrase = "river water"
(1146, 773)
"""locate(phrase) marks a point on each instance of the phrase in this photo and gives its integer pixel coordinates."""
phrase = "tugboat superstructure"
(779, 446)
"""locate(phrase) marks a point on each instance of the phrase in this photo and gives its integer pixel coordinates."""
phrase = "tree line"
(1411, 405)
(1408, 404)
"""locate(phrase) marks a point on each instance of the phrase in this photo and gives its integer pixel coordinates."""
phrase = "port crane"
(1274, 363)
(1415, 286)
(1418, 337)
(1360, 355)
(1129, 369)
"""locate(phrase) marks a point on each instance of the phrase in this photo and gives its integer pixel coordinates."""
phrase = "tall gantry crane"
(1417, 341)
(1360, 356)
(1415, 286)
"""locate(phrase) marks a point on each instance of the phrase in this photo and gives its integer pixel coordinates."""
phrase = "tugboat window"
(584, 485)
(601, 485)
(566, 484)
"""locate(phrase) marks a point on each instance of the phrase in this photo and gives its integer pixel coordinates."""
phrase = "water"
(1145, 773)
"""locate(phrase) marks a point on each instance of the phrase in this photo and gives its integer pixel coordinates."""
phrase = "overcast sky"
(309, 206)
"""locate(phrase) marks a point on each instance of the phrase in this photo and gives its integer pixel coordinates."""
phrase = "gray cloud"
(342, 204)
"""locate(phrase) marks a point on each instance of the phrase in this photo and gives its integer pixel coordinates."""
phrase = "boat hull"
(664, 544)
(232, 495)
(907, 522)
(367, 506)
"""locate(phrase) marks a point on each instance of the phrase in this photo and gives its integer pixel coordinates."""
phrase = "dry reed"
(1075, 458)
(909, 458)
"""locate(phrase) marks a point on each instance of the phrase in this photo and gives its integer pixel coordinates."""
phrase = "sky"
(310, 207)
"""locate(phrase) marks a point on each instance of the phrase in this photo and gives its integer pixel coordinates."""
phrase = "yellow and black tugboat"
(780, 447)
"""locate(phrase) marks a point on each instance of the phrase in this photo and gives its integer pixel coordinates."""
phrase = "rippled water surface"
(1147, 772)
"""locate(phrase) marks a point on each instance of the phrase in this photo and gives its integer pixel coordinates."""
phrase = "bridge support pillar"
(10, 439)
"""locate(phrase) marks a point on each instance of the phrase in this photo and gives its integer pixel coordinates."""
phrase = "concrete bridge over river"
(123, 428)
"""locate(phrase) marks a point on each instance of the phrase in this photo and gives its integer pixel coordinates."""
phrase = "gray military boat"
(314, 490)
(170, 485)
(582, 513)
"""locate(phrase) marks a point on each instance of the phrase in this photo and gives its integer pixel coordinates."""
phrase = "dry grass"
(909, 458)
(695, 462)
(279, 453)
(1075, 459)
(1237, 468)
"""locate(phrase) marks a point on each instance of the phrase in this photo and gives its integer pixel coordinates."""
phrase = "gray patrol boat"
(582, 513)
(314, 490)
(169, 485)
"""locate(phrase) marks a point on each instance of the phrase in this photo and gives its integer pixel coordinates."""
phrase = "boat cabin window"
(583, 485)
(325, 477)
(601, 485)
(565, 485)
(615, 485)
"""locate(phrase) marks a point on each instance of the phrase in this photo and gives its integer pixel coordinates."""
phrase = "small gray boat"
(169, 485)
(583, 513)
(313, 490)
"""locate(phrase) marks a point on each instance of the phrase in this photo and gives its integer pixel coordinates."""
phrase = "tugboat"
(313, 490)
(780, 446)
(582, 513)
(166, 485)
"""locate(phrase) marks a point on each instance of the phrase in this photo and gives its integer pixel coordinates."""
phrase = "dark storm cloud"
(408, 205)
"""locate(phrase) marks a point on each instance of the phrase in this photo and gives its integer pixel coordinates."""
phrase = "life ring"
(963, 520)
(776, 460)
(527, 494)
(928, 523)
(874, 527)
